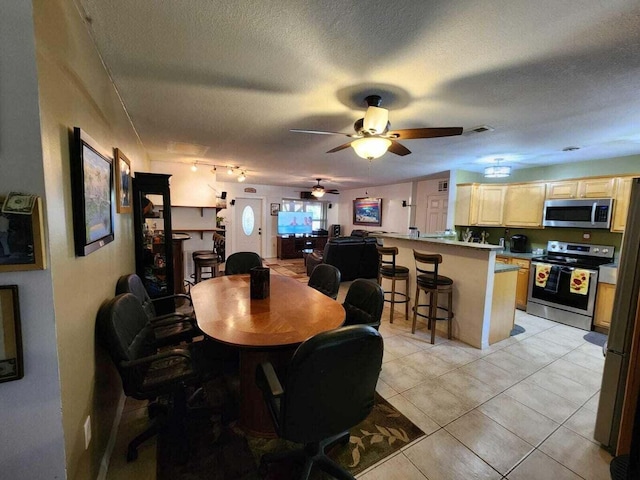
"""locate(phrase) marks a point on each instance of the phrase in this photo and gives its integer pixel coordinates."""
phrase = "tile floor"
(523, 409)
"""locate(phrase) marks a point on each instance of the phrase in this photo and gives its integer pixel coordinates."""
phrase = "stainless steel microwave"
(578, 213)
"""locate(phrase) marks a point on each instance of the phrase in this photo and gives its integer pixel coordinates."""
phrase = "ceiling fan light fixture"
(317, 192)
(194, 167)
(376, 120)
(229, 170)
(242, 177)
(497, 171)
(371, 147)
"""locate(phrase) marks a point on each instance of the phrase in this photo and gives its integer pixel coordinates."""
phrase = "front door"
(437, 206)
(248, 225)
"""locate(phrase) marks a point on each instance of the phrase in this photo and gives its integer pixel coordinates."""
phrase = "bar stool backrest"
(384, 252)
(427, 263)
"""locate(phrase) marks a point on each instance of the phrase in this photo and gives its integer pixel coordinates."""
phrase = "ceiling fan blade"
(411, 133)
(332, 192)
(320, 132)
(398, 149)
(341, 147)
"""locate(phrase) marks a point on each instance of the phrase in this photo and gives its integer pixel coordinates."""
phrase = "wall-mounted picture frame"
(367, 211)
(22, 240)
(92, 194)
(123, 182)
(11, 366)
(275, 208)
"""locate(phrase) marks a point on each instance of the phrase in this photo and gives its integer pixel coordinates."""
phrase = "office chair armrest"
(171, 318)
(177, 295)
(175, 352)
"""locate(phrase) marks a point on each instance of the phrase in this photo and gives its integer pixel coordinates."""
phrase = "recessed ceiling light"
(570, 149)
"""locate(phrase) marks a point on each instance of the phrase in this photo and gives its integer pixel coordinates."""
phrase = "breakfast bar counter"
(478, 294)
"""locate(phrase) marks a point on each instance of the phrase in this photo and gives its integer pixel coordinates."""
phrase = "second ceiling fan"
(373, 136)
(319, 190)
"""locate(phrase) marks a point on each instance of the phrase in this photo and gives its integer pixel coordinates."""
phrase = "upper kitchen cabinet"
(466, 205)
(490, 204)
(523, 205)
(587, 188)
(621, 204)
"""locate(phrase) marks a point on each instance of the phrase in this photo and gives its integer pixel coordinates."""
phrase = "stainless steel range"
(563, 283)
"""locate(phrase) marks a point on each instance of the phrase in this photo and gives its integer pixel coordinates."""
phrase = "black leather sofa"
(355, 257)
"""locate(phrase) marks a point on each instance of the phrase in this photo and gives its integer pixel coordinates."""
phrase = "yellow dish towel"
(579, 281)
(542, 274)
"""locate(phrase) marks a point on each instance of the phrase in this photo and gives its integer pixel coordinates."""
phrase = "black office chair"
(241, 262)
(326, 279)
(311, 407)
(169, 329)
(364, 303)
(123, 329)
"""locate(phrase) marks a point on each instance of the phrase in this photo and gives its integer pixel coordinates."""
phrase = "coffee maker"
(519, 243)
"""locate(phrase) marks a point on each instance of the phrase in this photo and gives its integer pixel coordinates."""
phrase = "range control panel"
(580, 249)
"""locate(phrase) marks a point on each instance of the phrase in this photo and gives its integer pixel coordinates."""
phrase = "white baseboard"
(106, 458)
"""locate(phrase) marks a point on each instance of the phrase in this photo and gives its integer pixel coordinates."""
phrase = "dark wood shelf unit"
(292, 246)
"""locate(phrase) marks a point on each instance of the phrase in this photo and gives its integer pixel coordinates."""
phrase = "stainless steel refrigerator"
(621, 332)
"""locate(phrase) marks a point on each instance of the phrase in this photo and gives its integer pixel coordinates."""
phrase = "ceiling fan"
(373, 136)
(318, 190)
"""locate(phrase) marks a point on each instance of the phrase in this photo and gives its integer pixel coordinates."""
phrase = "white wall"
(395, 217)
(31, 434)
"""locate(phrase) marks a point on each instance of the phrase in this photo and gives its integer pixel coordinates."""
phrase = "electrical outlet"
(586, 235)
(87, 432)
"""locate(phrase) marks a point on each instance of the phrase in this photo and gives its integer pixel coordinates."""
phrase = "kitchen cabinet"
(586, 188)
(621, 204)
(490, 204)
(466, 210)
(604, 305)
(502, 311)
(501, 259)
(523, 205)
(522, 286)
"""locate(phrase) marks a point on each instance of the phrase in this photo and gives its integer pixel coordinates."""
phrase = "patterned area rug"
(226, 453)
(291, 268)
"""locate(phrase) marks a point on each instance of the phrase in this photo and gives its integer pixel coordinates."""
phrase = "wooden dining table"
(264, 330)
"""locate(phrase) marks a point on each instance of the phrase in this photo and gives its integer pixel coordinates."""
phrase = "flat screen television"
(295, 223)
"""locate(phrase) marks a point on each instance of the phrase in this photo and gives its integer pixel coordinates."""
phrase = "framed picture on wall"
(92, 194)
(22, 239)
(275, 208)
(123, 181)
(10, 336)
(367, 211)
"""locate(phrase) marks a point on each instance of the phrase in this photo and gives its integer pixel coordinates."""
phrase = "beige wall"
(75, 90)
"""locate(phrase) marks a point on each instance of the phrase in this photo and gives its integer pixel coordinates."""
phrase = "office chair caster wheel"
(132, 454)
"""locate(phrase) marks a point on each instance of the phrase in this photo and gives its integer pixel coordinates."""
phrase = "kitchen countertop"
(505, 267)
(441, 241)
(525, 256)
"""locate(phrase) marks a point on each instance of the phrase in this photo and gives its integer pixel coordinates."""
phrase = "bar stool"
(428, 280)
(208, 261)
(390, 271)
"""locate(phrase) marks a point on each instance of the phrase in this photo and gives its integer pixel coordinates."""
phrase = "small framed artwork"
(21, 238)
(92, 194)
(11, 367)
(367, 211)
(275, 208)
(123, 181)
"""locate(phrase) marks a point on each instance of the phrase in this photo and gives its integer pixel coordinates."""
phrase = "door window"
(248, 220)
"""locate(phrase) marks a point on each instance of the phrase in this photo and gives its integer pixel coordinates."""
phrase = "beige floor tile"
(530, 353)
(519, 419)
(583, 422)
(494, 377)
(592, 403)
(384, 389)
(437, 402)
(400, 376)
(452, 354)
(397, 467)
(442, 457)
(413, 413)
(591, 349)
(546, 346)
(513, 363)
(400, 346)
(578, 454)
(577, 373)
(471, 390)
(585, 360)
(428, 364)
(543, 401)
(539, 466)
(563, 386)
(493, 443)
(562, 337)
(473, 351)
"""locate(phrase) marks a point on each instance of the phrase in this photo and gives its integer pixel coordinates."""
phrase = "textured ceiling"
(230, 78)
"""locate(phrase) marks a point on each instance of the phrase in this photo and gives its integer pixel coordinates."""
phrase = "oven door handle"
(593, 213)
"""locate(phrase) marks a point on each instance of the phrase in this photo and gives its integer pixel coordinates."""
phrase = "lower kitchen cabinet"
(522, 286)
(604, 305)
